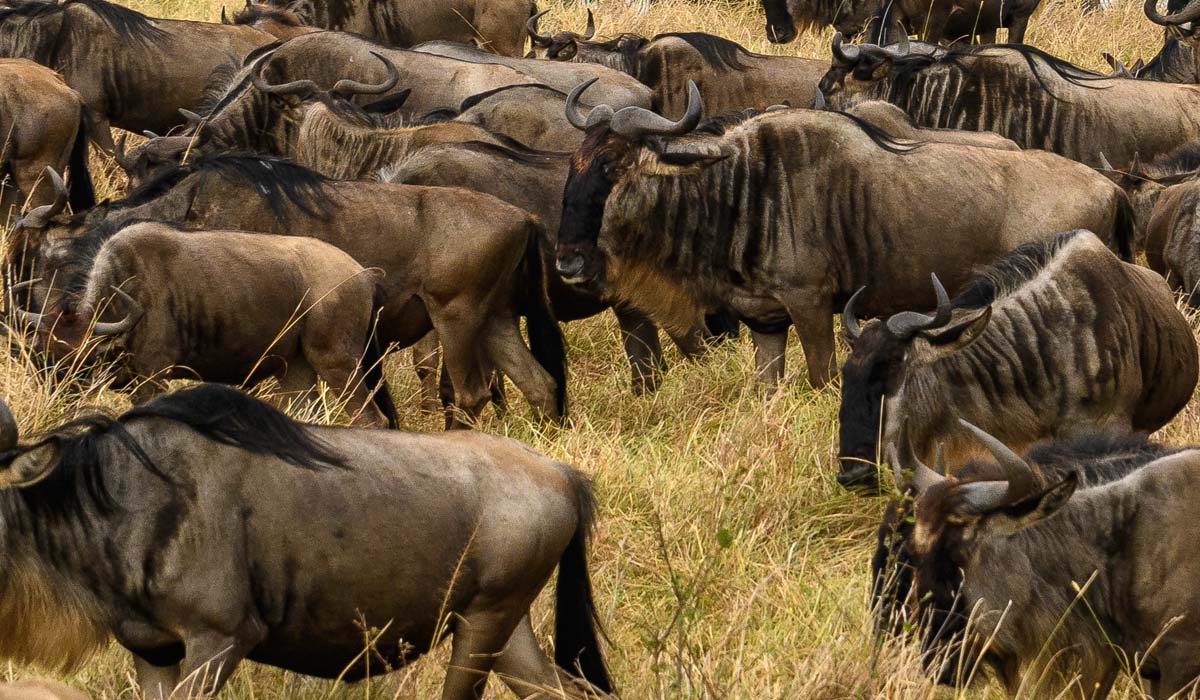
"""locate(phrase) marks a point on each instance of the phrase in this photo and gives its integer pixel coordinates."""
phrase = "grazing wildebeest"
(1055, 339)
(1024, 94)
(276, 21)
(221, 306)
(785, 215)
(43, 124)
(730, 76)
(787, 18)
(206, 527)
(528, 114)
(613, 87)
(1062, 603)
(894, 121)
(495, 25)
(459, 262)
(535, 183)
(133, 71)
(1095, 459)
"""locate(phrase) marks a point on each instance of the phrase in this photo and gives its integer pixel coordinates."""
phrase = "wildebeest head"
(883, 353)
(30, 28)
(1144, 182)
(147, 159)
(951, 517)
(855, 68)
(562, 46)
(615, 143)
(787, 18)
(1182, 25)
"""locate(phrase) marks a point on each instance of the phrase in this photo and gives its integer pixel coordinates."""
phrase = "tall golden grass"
(728, 563)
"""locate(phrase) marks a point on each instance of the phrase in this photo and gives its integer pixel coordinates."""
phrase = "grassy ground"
(728, 563)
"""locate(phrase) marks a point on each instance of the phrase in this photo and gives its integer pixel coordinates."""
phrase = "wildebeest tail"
(371, 367)
(1124, 229)
(576, 627)
(545, 337)
(82, 193)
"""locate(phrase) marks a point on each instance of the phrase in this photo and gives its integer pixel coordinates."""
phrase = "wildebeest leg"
(155, 682)
(337, 363)
(479, 637)
(210, 659)
(814, 325)
(691, 342)
(426, 355)
(461, 343)
(1016, 32)
(768, 356)
(507, 350)
(529, 673)
(639, 335)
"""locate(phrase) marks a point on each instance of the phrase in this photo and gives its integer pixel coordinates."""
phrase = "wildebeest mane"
(528, 156)
(720, 53)
(722, 123)
(906, 69)
(279, 182)
(255, 12)
(717, 125)
(1185, 159)
(1011, 272)
(474, 100)
(129, 25)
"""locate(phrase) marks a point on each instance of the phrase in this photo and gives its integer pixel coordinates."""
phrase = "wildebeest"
(276, 21)
(787, 18)
(1177, 61)
(613, 87)
(459, 262)
(785, 215)
(1174, 233)
(893, 120)
(1024, 94)
(133, 71)
(950, 21)
(39, 690)
(528, 114)
(1068, 601)
(222, 306)
(1144, 183)
(730, 76)
(1056, 339)
(44, 124)
(495, 25)
(206, 527)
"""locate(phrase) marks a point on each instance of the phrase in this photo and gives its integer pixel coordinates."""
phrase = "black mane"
(277, 181)
(476, 99)
(1012, 271)
(1181, 161)
(906, 68)
(130, 25)
(216, 412)
(720, 124)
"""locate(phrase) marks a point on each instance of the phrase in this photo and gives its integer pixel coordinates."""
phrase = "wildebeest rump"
(495, 25)
(44, 124)
(221, 306)
(730, 76)
(134, 71)
(205, 528)
(1024, 94)
(676, 226)
(461, 262)
(1056, 339)
(1064, 599)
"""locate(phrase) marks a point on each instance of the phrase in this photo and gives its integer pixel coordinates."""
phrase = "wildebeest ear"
(960, 333)
(30, 467)
(1018, 516)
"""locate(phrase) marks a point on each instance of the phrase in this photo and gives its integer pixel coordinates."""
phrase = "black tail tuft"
(372, 368)
(1124, 229)
(545, 337)
(576, 628)
(82, 193)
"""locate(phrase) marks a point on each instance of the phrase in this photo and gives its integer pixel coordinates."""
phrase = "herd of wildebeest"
(327, 181)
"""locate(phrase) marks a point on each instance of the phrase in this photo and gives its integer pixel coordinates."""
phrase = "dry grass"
(728, 563)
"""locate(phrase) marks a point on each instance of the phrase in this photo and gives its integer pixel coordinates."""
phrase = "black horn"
(295, 87)
(635, 122)
(536, 37)
(124, 325)
(600, 114)
(590, 31)
(849, 319)
(29, 318)
(347, 87)
(844, 54)
(40, 217)
(906, 324)
(1019, 483)
(124, 161)
(1191, 13)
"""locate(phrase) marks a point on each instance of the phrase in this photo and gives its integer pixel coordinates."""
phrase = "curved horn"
(1018, 475)
(591, 26)
(536, 37)
(574, 116)
(40, 216)
(922, 476)
(224, 17)
(9, 433)
(819, 101)
(27, 317)
(635, 122)
(295, 87)
(1191, 13)
(1118, 69)
(844, 54)
(125, 162)
(124, 325)
(1104, 164)
(906, 324)
(849, 320)
(150, 134)
(347, 87)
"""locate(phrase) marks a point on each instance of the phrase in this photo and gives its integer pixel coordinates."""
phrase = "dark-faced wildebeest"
(276, 21)
(133, 71)
(1056, 339)
(1060, 605)
(1024, 94)
(463, 263)
(495, 25)
(731, 77)
(221, 306)
(785, 215)
(43, 124)
(206, 527)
